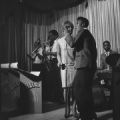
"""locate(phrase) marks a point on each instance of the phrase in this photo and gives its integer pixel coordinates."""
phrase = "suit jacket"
(85, 47)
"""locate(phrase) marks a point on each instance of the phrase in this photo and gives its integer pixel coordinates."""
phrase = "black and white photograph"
(59, 60)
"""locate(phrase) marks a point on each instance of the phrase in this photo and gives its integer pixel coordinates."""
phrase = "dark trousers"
(52, 86)
(116, 94)
(82, 88)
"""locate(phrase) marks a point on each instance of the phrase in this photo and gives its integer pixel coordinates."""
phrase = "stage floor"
(59, 115)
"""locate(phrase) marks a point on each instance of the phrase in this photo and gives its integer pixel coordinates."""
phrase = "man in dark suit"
(85, 64)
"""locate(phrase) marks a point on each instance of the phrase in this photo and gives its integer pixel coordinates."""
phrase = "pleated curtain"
(103, 15)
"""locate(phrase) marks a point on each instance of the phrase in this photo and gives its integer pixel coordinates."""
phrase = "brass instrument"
(34, 52)
(37, 45)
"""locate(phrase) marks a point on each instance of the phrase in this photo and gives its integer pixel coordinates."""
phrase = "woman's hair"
(85, 21)
(68, 23)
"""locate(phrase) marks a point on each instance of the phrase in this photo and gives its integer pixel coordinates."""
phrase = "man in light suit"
(85, 64)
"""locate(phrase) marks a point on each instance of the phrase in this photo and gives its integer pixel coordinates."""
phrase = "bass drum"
(98, 96)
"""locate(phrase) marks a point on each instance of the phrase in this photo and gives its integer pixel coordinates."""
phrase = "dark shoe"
(67, 111)
(66, 115)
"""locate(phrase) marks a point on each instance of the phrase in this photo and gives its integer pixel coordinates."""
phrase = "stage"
(59, 115)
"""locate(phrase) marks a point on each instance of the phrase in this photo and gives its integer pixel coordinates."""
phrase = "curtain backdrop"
(12, 43)
(104, 19)
(103, 16)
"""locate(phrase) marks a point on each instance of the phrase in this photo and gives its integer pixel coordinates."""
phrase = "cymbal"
(112, 59)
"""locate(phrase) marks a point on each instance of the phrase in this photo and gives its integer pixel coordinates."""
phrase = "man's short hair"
(54, 32)
(84, 20)
(106, 41)
(68, 22)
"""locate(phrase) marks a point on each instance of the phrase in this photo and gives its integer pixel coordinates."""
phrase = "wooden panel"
(33, 90)
(10, 90)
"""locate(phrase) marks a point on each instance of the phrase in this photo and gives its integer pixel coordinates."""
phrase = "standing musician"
(49, 51)
(52, 90)
(36, 55)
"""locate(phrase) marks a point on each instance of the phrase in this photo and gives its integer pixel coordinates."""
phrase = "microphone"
(63, 66)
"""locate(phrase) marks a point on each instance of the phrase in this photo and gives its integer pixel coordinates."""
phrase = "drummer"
(107, 52)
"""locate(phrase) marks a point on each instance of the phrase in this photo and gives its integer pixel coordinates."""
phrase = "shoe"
(66, 115)
(67, 111)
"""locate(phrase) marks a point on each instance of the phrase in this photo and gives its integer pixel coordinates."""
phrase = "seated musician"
(105, 71)
(52, 82)
(107, 52)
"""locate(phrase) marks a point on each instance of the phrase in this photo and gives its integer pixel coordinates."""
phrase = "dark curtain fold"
(13, 38)
(21, 44)
(4, 43)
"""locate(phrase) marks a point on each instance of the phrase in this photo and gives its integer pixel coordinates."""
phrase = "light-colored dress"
(67, 58)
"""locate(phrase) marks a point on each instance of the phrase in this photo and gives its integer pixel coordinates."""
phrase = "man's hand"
(69, 39)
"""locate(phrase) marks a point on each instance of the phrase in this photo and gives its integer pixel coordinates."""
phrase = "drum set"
(102, 88)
